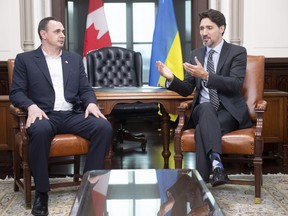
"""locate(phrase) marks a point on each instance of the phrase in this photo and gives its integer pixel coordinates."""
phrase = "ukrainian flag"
(166, 45)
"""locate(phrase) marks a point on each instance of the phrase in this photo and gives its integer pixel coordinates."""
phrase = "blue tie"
(214, 100)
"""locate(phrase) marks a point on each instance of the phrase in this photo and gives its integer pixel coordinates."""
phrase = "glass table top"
(146, 192)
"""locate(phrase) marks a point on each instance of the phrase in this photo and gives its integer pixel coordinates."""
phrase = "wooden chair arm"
(260, 108)
(21, 143)
(17, 111)
(183, 109)
(19, 118)
(185, 105)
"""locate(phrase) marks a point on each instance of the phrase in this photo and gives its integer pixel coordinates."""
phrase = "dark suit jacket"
(228, 81)
(32, 83)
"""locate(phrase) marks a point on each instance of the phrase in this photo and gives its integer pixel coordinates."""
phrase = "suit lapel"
(42, 64)
(223, 56)
(66, 67)
(201, 56)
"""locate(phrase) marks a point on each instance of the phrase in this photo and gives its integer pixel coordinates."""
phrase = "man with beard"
(216, 71)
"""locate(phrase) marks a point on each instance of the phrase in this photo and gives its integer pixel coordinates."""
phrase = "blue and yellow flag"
(166, 45)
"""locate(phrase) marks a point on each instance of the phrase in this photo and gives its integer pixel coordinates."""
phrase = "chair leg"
(285, 155)
(16, 169)
(27, 184)
(178, 157)
(178, 161)
(108, 157)
(76, 168)
(258, 179)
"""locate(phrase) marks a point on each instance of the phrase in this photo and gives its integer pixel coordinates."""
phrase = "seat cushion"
(236, 142)
(62, 145)
(68, 144)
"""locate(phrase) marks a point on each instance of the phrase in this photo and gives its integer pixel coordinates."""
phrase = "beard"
(207, 42)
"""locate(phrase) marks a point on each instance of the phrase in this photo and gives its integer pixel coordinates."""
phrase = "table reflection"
(144, 192)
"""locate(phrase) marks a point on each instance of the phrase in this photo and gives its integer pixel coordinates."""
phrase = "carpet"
(12, 203)
(234, 200)
(238, 200)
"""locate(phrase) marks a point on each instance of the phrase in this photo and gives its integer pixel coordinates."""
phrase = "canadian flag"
(97, 34)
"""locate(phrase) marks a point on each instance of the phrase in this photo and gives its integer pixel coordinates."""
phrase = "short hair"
(215, 16)
(43, 24)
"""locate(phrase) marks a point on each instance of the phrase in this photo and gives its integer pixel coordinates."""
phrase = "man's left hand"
(196, 70)
(94, 110)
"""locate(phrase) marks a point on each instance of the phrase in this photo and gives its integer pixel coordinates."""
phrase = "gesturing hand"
(196, 70)
(164, 71)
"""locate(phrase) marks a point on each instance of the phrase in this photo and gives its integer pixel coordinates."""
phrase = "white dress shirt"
(56, 73)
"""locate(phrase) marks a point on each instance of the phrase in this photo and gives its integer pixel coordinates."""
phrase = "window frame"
(59, 7)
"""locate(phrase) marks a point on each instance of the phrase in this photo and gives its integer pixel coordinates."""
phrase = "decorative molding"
(47, 8)
(237, 10)
(215, 4)
(26, 25)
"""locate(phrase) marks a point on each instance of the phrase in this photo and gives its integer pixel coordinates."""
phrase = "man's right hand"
(164, 70)
(34, 112)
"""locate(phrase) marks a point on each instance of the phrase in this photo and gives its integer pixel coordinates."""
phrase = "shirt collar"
(46, 54)
(217, 49)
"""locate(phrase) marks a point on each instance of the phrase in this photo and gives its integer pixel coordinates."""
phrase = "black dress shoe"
(219, 177)
(40, 206)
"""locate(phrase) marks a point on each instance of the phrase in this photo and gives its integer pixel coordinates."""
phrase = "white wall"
(266, 31)
(13, 26)
(10, 29)
(264, 25)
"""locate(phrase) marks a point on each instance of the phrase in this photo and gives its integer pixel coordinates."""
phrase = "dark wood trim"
(276, 62)
(3, 78)
(276, 74)
(59, 11)
(3, 66)
(6, 131)
(196, 7)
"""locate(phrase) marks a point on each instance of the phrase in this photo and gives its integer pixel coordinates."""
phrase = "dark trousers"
(41, 132)
(210, 126)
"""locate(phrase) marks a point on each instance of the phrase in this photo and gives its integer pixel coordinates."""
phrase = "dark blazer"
(228, 81)
(32, 83)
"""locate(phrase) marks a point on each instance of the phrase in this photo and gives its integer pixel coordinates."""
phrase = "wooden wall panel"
(275, 118)
(6, 132)
(276, 74)
(3, 78)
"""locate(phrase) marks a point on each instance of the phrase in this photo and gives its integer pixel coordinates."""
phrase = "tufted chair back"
(114, 67)
(120, 67)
